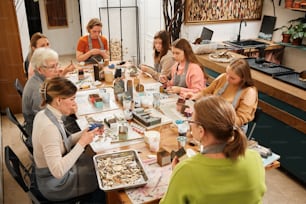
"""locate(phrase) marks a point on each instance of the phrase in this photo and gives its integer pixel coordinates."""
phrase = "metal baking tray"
(119, 170)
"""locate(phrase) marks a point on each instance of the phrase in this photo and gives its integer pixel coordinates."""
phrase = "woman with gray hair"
(45, 63)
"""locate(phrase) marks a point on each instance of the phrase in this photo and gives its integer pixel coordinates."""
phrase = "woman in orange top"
(92, 47)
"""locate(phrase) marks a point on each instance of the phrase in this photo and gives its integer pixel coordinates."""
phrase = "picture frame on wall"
(212, 11)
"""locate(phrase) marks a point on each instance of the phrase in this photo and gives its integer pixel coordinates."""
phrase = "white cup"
(153, 139)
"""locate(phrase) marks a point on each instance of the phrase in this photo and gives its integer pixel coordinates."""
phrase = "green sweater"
(200, 179)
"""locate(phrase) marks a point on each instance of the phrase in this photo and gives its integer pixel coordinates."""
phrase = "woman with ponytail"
(225, 171)
(63, 170)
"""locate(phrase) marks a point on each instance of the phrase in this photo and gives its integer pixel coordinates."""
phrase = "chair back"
(18, 87)
(254, 122)
(17, 170)
(25, 136)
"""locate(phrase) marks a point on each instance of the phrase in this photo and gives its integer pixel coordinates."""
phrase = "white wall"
(229, 31)
(63, 40)
(23, 27)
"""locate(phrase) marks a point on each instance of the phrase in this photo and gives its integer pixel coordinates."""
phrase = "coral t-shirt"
(83, 44)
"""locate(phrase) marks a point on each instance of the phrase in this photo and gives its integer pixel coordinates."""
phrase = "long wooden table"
(168, 136)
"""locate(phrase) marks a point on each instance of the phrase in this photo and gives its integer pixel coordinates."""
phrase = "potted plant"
(298, 33)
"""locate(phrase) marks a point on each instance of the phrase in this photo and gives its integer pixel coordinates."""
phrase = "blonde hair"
(217, 117)
(93, 22)
(242, 69)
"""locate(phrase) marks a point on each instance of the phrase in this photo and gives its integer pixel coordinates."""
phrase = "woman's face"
(158, 44)
(95, 32)
(178, 54)
(195, 127)
(42, 42)
(51, 68)
(232, 77)
(68, 105)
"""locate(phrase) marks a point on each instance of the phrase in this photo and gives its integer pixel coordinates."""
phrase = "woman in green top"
(225, 171)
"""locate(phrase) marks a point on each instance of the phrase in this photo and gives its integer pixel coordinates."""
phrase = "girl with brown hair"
(163, 58)
(187, 74)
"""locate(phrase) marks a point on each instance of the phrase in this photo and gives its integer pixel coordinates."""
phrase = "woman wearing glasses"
(45, 64)
(225, 171)
(39, 40)
(62, 169)
(237, 87)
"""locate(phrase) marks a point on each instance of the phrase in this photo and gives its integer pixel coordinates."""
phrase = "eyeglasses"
(52, 67)
(196, 122)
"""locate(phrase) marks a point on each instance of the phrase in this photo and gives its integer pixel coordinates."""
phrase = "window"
(56, 13)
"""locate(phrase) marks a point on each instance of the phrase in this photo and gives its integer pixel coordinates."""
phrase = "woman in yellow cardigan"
(237, 87)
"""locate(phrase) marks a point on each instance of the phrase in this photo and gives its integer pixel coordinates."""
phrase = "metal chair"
(18, 87)
(23, 176)
(26, 138)
(254, 122)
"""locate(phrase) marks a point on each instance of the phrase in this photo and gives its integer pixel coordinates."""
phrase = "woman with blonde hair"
(225, 171)
(187, 74)
(92, 47)
(237, 87)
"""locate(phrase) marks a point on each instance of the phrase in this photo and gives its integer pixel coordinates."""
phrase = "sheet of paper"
(156, 187)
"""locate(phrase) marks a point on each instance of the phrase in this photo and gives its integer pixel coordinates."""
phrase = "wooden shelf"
(298, 9)
(301, 47)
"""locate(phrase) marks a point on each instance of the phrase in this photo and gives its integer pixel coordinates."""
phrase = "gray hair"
(41, 55)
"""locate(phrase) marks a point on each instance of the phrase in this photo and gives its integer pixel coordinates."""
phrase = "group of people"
(221, 114)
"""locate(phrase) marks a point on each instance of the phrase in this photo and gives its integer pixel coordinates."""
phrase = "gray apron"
(157, 67)
(234, 103)
(94, 58)
(180, 80)
(79, 180)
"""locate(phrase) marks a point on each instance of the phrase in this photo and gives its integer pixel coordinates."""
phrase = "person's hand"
(95, 51)
(87, 136)
(174, 89)
(196, 96)
(188, 95)
(175, 161)
(143, 68)
(163, 79)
